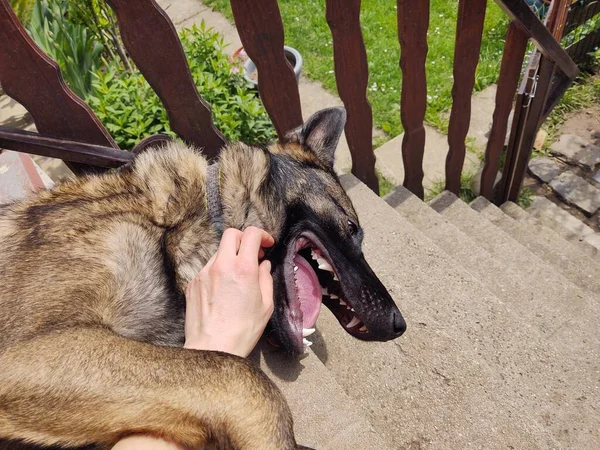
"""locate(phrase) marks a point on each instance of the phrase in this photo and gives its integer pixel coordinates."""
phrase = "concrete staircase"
(502, 349)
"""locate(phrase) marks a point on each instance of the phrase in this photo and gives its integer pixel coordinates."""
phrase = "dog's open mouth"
(311, 280)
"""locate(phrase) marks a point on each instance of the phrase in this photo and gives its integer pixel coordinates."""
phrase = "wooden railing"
(65, 124)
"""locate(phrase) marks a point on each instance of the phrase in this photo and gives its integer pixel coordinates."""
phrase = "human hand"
(229, 303)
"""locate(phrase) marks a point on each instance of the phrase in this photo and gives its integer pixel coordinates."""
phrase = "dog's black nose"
(399, 324)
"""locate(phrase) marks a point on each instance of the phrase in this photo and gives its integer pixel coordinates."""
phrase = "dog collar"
(213, 197)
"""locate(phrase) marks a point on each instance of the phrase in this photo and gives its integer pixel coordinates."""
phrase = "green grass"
(385, 185)
(466, 191)
(306, 30)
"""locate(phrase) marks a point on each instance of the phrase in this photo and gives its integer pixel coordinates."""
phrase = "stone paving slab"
(544, 168)
(544, 207)
(575, 190)
(577, 150)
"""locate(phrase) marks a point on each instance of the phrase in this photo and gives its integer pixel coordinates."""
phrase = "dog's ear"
(321, 133)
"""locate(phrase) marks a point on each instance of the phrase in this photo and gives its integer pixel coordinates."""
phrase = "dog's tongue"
(309, 292)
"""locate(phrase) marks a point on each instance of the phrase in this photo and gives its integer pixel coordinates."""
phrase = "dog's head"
(318, 258)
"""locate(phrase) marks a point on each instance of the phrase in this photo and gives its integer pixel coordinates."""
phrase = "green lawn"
(307, 31)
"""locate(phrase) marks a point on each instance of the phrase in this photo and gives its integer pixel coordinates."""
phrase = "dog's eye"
(352, 227)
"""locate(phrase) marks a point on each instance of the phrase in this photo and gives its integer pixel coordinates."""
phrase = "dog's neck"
(247, 193)
(246, 196)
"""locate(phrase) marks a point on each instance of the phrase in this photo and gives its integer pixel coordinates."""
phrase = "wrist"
(215, 344)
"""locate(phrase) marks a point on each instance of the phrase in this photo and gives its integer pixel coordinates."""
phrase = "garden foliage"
(130, 109)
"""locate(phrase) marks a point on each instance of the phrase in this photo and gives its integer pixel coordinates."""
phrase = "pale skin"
(228, 305)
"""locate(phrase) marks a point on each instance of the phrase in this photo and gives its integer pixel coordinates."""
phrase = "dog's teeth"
(306, 343)
(295, 268)
(342, 302)
(324, 291)
(363, 328)
(352, 309)
(324, 265)
(333, 296)
(313, 254)
(307, 332)
(335, 278)
(348, 307)
(355, 321)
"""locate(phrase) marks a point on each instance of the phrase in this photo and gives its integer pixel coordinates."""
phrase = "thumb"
(265, 282)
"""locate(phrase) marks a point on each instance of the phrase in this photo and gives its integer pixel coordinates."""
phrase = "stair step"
(569, 227)
(572, 263)
(528, 353)
(432, 386)
(324, 415)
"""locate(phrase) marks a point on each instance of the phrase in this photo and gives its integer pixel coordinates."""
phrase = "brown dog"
(92, 276)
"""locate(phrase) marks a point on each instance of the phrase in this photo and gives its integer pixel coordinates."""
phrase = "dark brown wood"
(153, 44)
(510, 70)
(413, 22)
(352, 78)
(517, 155)
(469, 31)
(581, 12)
(583, 47)
(259, 24)
(67, 150)
(34, 80)
(156, 140)
(546, 43)
(528, 124)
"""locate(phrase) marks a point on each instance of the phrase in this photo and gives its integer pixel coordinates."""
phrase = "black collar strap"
(213, 197)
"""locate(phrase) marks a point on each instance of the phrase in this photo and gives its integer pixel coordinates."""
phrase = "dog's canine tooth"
(355, 321)
(324, 265)
(363, 328)
(307, 332)
(335, 278)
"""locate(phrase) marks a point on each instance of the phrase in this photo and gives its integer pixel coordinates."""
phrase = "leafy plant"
(130, 109)
(22, 9)
(101, 21)
(71, 45)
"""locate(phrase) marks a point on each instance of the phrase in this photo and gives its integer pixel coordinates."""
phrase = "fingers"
(253, 240)
(265, 283)
(230, 243)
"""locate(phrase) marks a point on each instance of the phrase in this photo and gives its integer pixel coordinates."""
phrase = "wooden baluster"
(352, 77)
(510, 70)
(413, 22)
(469, 31)
(34, 80)
(153, 44)
(261, 31)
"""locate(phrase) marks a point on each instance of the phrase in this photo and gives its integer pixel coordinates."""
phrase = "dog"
(92, 280)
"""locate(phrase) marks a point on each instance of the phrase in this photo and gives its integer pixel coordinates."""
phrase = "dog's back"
(94, 251)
